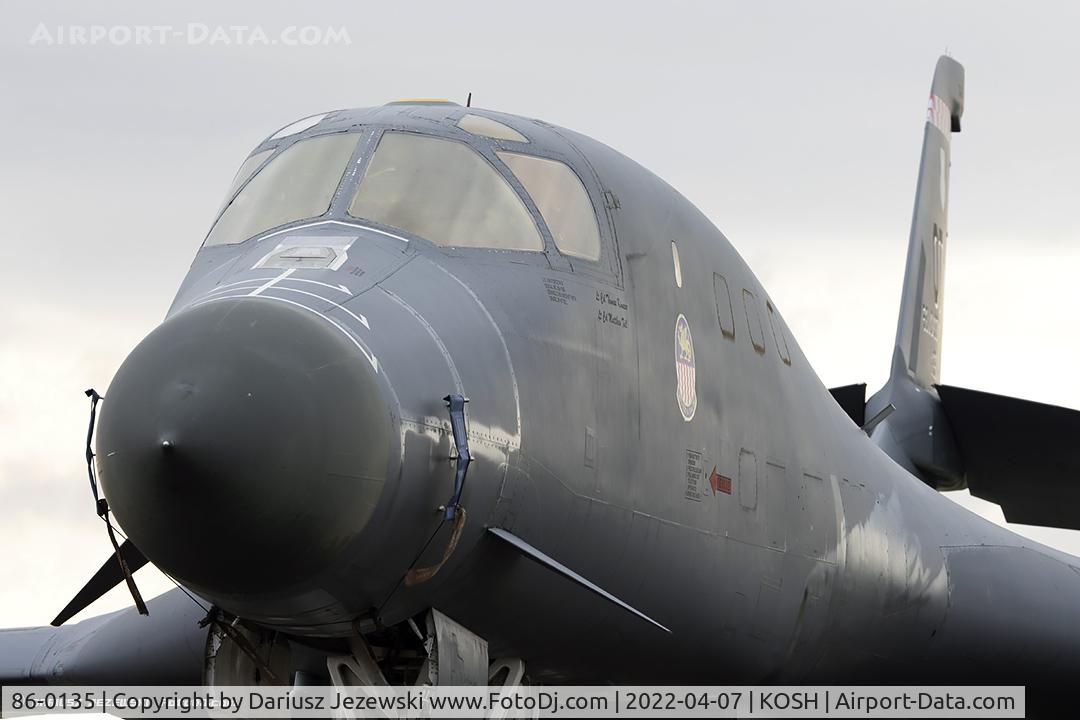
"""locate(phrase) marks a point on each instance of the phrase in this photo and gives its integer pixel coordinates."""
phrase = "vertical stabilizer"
(917, 433)
(918, 331)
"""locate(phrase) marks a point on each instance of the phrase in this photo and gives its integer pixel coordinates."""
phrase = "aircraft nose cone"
(243, 445)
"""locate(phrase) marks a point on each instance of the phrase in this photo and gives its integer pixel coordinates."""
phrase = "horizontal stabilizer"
(105, 579)
(852, 398)
(1022, 455)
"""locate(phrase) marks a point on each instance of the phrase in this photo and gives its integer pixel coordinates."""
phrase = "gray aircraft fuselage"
(280, 445)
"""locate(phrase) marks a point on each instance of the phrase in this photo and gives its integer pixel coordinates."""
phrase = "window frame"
(352, 182)
(484, 118)
(608, 268)
(278, 150)
(500, 152)
(545, 142)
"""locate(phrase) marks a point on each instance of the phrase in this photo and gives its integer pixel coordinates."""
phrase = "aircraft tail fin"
(916, 433)
(1019, 454)
(918, 331)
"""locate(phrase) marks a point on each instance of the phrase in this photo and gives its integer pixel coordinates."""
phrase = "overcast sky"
(794, 126)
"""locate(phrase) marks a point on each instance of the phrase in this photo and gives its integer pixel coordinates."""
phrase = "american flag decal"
(938, 115)
(685, 374)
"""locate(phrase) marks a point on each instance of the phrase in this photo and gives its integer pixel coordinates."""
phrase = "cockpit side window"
(444, 191)
(562, 201)
(244, 174)
(297, 184)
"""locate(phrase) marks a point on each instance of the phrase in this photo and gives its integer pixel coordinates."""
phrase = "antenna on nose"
(468, 101)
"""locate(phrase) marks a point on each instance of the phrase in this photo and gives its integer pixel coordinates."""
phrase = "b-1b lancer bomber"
(453, 396)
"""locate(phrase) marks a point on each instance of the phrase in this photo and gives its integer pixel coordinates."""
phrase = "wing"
(122, 648)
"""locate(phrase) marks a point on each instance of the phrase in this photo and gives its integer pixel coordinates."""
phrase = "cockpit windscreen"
(298, 183)
(444, 191)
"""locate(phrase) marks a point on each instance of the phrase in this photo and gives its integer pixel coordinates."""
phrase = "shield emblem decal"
(686, 379)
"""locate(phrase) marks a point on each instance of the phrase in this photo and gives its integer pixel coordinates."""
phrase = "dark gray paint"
(120, 648)
(845, 567)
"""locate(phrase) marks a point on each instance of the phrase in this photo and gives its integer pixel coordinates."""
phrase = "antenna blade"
(547, 561)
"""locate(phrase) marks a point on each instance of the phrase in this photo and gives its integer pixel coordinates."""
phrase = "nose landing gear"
(451, 655)
(444, 653)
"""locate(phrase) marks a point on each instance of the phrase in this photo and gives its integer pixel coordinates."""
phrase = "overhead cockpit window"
(444, 191)
(299, 183)
(562, 201)
(479, 125)
(298, 126)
